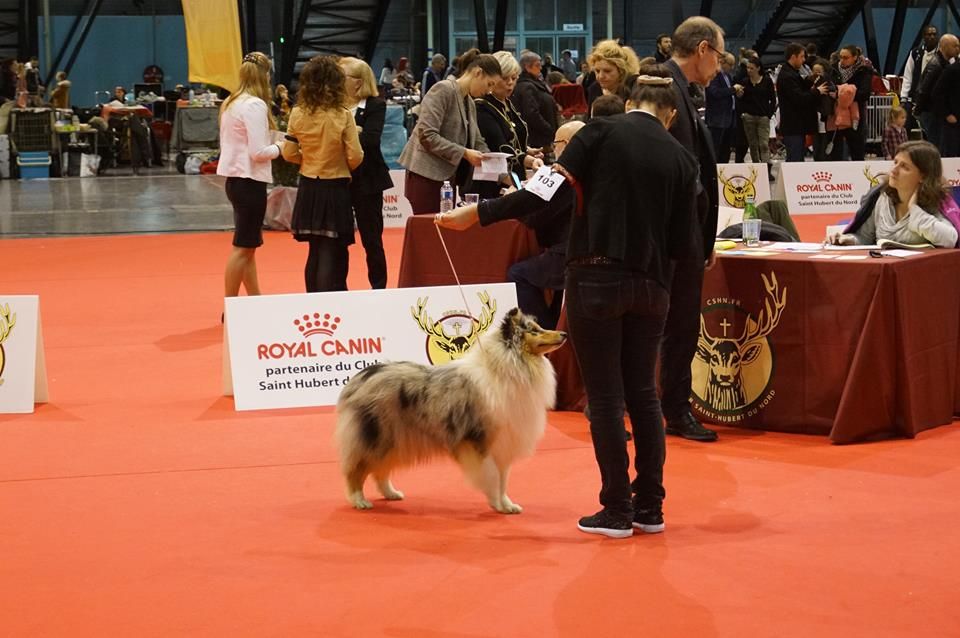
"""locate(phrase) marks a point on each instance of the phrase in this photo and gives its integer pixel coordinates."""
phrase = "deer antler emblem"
(725, 356)
(456, 345)
(737, 188)
(873, 179)
(7, 321)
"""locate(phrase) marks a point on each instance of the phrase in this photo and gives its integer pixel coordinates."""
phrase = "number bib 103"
(544, 183)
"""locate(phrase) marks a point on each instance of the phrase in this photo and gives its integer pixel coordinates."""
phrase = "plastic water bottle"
(446, 197)
(749, 209)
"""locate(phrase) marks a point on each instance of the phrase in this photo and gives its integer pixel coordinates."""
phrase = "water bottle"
(190, 96)
(446, 197)
(749, 209)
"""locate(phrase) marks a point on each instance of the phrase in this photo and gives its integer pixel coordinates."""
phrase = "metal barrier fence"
(878, 110)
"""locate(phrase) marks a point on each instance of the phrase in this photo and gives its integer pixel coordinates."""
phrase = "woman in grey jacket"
(446, 143)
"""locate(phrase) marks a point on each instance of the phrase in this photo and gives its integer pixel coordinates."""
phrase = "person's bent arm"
(254, 115)
(433, 111)
(936, 230)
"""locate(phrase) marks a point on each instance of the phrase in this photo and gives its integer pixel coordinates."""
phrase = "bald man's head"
(564, 134)
(949, 46)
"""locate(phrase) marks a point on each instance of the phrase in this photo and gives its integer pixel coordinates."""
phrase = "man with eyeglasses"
(697, 50)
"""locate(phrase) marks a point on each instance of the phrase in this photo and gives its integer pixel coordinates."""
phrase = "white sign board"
(286, 351)
(736, 182)
(951, 171)
(829, 187)
(396, 208)
(23, 370)
(573, 27)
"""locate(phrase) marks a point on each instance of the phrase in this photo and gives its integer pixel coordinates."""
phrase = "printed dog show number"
(544, 183)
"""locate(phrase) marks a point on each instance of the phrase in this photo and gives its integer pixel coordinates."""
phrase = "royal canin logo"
(317, 324)
(822, 176)
(324, 324)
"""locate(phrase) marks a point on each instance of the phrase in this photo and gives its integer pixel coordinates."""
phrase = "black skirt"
(323, 208)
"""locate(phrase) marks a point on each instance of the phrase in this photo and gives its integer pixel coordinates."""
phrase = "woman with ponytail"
(247, 146)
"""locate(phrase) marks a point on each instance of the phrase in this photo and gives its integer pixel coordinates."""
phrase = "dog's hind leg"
(508, 506)
(355, 479)
(483, 474)
(386, 487)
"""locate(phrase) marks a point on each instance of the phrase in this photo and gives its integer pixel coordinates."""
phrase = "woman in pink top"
(247, 146)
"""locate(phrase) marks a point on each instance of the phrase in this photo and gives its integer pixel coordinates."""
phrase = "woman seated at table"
(907, 208)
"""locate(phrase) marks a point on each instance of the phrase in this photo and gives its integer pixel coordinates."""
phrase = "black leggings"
(327, 264)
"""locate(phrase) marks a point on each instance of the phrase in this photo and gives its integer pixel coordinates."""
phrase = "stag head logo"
(731, 373)
(873, 179)
(455, 333)
(738, 188)
(7, 321)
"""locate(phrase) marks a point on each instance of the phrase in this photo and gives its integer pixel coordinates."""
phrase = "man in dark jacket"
(535, 102)
(929, 106)
(916, 64)
(722, 94)
(798, 102)
(697, 50)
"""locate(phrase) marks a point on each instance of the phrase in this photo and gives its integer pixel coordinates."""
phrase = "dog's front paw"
(507, 506)
(359, 502)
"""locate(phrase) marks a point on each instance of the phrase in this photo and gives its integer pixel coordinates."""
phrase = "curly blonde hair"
(619, 56)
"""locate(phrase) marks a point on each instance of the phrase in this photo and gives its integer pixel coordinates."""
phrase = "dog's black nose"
(563, 334)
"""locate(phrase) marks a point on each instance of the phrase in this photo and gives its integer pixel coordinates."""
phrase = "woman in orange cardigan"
(322, 137)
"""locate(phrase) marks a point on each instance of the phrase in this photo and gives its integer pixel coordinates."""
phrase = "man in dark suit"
(798, 102)
(698, 48)
(722, 94)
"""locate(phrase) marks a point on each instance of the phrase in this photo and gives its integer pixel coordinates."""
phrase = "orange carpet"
(138, 503)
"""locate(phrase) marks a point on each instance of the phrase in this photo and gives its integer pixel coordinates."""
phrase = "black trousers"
(327, 264)
(616, 322)
(368, 210)
(680, 337)
(533, 277)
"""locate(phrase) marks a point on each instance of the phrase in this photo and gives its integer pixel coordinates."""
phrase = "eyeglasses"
(720, 54)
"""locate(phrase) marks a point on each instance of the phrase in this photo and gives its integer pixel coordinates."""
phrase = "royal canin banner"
(396, 208)
(287, 351)
(814, 188)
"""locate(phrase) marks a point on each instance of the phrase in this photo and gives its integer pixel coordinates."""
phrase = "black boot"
(688, 427)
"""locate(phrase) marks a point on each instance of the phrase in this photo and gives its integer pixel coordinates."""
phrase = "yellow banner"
(213, 42)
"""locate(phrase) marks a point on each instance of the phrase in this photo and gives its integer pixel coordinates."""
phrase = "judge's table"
(480, 255)
(835, 343)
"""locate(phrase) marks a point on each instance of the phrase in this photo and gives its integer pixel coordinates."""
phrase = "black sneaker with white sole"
(608, 524)
(648, 521)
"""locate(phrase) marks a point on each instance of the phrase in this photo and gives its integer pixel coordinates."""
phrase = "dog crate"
(34, 164)
(32, 130)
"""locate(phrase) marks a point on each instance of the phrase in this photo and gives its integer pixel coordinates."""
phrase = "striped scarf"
(847, 72)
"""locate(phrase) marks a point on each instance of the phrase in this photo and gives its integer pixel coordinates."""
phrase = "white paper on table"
(901, 253)
(794, 245)
(856, 247)
(823, 256)
(492, 166)
(852, 257)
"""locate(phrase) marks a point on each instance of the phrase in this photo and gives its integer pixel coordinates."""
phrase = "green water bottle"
(749, 209)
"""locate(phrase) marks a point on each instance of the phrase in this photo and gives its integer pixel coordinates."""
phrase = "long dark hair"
(932, 189)
(322, 84)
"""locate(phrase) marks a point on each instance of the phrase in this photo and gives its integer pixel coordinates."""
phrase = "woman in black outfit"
(372, 177)
(637, 186)
(502, 126)
(756, 106)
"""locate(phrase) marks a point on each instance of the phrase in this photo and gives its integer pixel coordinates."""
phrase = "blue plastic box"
(34, 164)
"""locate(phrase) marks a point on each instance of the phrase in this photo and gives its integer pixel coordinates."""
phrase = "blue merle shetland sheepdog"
(486, 410)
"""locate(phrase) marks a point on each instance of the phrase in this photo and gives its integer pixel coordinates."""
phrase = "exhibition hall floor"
(137, 502)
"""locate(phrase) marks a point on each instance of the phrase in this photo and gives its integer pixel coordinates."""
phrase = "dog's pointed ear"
(508, 325)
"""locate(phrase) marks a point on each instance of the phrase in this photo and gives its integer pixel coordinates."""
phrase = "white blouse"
(917, 226)
(247, 145)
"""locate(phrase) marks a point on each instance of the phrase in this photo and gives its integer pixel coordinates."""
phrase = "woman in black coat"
(372, 177)
(502, 127)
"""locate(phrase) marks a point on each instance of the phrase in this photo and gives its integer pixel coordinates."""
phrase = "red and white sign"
(286, 351)
(396, 208)
(814, 188)
(23, 370)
